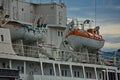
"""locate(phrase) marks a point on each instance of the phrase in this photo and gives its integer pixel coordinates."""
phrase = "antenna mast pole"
(95, 12)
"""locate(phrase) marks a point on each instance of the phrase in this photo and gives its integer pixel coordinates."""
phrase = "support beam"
(54, 69)
(24, 67)
(59, 69)
(96, 76)
(116, 75)
(10, 64)
(84, 72)
(71, 71)
(107, 74)
(41, 64)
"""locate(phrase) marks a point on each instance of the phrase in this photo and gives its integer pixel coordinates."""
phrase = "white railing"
(35, 51)
(24, 50)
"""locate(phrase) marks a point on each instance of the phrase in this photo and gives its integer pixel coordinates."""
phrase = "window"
(88, 75)
(78, 74)
(60, 17)
(51, 72)
(22, 9)
(58, 33)
(64, 72)
(4, 65)
(22, 69)
(75, 74)
(2, 38)
(61, 33)
(100, 75)
(18, 68)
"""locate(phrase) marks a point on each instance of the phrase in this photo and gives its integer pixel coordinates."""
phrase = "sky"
(105, 13)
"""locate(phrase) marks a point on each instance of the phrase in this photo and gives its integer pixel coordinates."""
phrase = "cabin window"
(22, 9)
(51, 72)
(8, 66)
(60, 17)
(90, 74)
(18, 68)
(22, 69)
(76, 74)
(61, 33)
(58, 33)
(2, 38)
(64, 72)
(31, 72)
(87, 75)
(100, 75)
(4, 65)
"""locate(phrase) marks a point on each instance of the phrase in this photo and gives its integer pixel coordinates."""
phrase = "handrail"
(37, 52)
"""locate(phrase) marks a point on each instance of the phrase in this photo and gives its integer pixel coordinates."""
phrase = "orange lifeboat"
(81, 38)
(90, 33)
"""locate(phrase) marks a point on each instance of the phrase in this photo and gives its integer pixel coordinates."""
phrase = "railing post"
(59, 69)
(96, 76)
(84, 73)
(22, 47)
(10, 64)
(24, 67)
(88, 58)
(107, 74)
(71, 71)
(115, 58)
(116, 75)
(37, 47)
(41, 65)
(54, 69)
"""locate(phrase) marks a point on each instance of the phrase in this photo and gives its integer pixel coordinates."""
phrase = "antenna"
(95, 12)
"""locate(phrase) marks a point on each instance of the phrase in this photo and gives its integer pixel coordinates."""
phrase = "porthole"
(22, 9)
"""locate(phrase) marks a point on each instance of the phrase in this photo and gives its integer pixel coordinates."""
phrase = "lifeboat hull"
(78, 42)
(20, 32)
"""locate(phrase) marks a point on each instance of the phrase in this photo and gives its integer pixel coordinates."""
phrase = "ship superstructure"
(35, 44)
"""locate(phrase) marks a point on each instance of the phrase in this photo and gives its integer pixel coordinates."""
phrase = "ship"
(36, 43)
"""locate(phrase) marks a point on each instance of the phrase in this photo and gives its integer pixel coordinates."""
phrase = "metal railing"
(24, 50)
(35, 51)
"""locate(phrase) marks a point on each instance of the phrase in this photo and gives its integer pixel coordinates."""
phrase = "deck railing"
(9, 73)
(37, 52)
